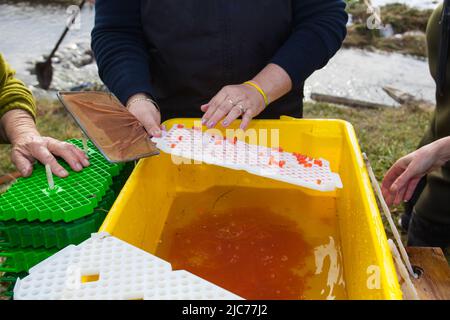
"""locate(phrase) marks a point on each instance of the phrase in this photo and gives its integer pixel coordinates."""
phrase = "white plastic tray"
(116, 270)
(272, 163)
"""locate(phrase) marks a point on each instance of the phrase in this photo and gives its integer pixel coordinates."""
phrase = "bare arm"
(402, 178)
(275, 82)
(15, 124)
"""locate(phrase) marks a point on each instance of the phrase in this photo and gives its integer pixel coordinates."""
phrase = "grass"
(384, 134)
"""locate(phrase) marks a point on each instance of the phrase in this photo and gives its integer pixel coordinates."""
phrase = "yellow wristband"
(254, 85)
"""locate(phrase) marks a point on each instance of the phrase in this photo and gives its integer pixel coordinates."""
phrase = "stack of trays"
(36, 222)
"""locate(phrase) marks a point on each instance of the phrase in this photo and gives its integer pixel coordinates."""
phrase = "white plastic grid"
(235, 154)
(119, 271)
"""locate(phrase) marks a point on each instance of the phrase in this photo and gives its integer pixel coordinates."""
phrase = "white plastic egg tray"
(232, 153)
(115, 270)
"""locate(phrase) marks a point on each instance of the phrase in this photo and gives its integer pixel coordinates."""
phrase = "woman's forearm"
(16, 123)
(274, 81)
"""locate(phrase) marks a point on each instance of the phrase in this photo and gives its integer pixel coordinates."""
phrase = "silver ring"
(231, 101)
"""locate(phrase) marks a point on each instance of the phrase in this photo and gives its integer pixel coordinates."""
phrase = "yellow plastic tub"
(160, 193)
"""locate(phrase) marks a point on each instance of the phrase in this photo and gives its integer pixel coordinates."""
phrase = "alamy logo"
(374, 21)
(373, 277)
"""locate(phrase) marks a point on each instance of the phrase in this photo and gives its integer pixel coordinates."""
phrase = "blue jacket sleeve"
(319, 29)
(120, 48)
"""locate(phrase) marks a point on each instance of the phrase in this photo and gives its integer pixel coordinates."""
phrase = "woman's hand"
(245, 100)
(147, 113)
(28, 145)
(402, 178)
(232, 102)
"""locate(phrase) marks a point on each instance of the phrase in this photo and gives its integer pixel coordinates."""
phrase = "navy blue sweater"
(183, 52)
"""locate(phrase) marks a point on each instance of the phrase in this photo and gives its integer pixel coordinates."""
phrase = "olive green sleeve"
(13, 92)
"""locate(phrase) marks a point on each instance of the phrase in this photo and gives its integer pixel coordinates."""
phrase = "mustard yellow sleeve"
(13, 92)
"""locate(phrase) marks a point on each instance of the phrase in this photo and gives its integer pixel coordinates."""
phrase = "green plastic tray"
(11, 277)
(20, 260)
(72, 198)
(97, 160)
(25, 234)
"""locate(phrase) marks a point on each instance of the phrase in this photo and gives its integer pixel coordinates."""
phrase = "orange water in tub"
(256, 252)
